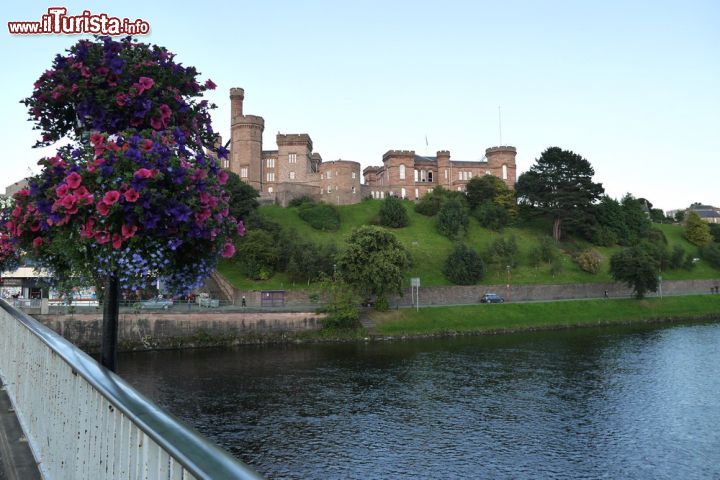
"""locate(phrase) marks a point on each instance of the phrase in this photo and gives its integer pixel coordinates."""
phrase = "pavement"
(16, 458)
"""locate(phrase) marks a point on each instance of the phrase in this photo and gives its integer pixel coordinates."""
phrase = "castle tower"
(501, 163)
(246, 146)
(444, 173)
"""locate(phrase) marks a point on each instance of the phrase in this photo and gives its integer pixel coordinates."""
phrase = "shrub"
(296, 202)
(341, 306)
(677, 257)
(604, 236)
(258, 256)
(637, 268)
(429, 205)
(492, 216)
(463, 266)
(503, 251)
(697, 232)
(320, 216)
(393, 214)
(544, 252)
(309, 261)
(711, 254)
(588, 261)
(715, 232)
(452, 219)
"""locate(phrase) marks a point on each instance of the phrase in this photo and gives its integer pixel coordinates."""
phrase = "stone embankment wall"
(157, 330)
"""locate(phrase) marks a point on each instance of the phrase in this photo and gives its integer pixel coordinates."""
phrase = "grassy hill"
(429, 249)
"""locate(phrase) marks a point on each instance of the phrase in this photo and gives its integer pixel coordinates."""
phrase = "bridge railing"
(83, 421)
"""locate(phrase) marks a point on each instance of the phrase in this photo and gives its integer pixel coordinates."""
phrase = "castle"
(294, 170)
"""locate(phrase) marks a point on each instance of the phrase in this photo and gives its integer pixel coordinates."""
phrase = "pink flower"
(35, 227)
(62, 190)
(128, 231)
(165, 111)
(103, 208)
(147, 144)
(116, 241)
(131, 195)
(68, 202)
(37, 242)
(97, 139)
(241, 228)
(144, 83)
(210, 85)
(121, 99)
(86, 231)
(73, 180)
(17, 211)
(228, 250)
(156, 123)
(223, 177)
(143, 173)
(102, 237)
(111, 197)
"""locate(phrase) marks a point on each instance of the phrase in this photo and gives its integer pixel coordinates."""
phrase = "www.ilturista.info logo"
(57, 21)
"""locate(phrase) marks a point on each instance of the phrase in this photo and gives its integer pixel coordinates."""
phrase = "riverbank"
(509, 317)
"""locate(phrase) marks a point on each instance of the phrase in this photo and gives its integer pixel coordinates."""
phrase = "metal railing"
(84, 422)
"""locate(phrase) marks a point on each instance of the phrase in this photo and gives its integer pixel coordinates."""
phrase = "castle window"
(271, 177)
(243, 172)
(270, 190)
(328, 174)
(291, 175)
(353, 189)
(329, 189)
(415, 172)
(226, 163)
(430, 177)
(446, 174)
(402, 172)
(403, 193)
(353, 174)
(292, 158)
(460, 175)
(417, 194)
(504, 172)
(423, 177)
(487, 172)
(270, 163)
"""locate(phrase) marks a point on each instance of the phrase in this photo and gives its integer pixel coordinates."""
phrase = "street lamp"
(509, 291)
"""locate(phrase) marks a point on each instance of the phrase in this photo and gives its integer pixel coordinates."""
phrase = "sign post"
(415, 291)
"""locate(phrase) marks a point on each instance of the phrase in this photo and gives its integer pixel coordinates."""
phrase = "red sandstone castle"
(294, 170)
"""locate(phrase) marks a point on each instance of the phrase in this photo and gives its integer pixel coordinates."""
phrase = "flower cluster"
(109, 86)
(138, 203)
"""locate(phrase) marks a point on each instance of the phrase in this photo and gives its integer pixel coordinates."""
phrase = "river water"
(616, 403)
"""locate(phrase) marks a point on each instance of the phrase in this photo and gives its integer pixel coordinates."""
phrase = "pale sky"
(633, 86)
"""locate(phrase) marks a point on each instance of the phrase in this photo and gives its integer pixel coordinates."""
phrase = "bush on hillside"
(296, 202)
(503, 252)
(492, 216)
(697, 232)
(589, 261)
(258, 255)
(310, 262)
(430, 203)
(452, 219)
(463, 266)
(544, 252)
(711, 254)
(393, 214)
(320, 216)
(677, 257)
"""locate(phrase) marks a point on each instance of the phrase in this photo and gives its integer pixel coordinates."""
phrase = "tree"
(711, 254)
(452, 218)
(243, 197)
(560, 185)
(259, 255)
(463, 266)
(310, 261)
(715, 232)
(486, 188)
(135, 195)
(635, 216)
(637, 268)
(392, 213)
(374, 263)
(492, 216)
(697, 232)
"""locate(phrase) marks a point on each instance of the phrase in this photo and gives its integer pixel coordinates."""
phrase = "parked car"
(156, 303)
(492, 298)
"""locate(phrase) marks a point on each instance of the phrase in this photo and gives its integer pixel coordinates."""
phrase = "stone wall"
(452, 295)
(155, 330)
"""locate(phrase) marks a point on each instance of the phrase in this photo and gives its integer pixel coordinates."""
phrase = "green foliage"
(374, 262)
(320, 216)
(296, 202)
(636, 219)
(492, 216)
(486, 188)
(544, 252)
(392, 213)
(560, 185)
(429, 205)
(589, 261)
(452, 219)
(309, 261)
(680, 216)
(503, 252)
(711, 254)
(463, 266)
(658, 216)
(341, 305)
(715, 232)
(697, 232)
(243, 197)
(637, 268)
(677, 257)
(258, 254)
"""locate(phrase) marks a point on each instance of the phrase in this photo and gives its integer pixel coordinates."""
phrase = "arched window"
(402, 172)
(403, 193)
(430, 176)
(416, 173)
(504, 172)
(270, 190)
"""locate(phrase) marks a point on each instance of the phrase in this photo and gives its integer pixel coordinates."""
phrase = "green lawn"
(429, 249)
(546, 315)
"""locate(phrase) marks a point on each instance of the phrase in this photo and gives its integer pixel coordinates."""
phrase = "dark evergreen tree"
(463, 266)
(452, 219)
(637, 268)
(393, 214)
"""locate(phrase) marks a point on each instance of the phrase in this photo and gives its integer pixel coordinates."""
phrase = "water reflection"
(607, 403)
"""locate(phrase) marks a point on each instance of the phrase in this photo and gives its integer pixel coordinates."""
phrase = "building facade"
(294, 169)
(407, 175)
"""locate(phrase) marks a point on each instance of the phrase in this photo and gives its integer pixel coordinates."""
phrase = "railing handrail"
(200, 457)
